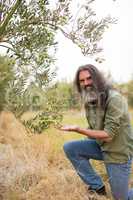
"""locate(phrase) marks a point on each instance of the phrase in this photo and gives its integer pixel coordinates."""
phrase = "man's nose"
(86, 83)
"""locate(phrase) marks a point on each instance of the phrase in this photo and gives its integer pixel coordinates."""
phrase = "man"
(110, 135)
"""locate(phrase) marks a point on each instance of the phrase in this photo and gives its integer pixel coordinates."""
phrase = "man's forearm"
(97, 134)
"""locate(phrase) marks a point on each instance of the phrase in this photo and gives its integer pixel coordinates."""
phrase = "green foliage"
(6, 75)
(130, 92)
(127, 90)
(16, 95)
(17, 100)
(51, 113)
(69, 96)
(19, 96)
(28, 30)
(56, 99)
(86, 29)
(43, 121)
(30, 33)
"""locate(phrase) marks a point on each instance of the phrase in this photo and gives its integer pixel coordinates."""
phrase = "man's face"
(88, 92)
(85, 79)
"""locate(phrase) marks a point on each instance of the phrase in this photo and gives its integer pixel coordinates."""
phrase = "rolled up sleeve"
(114, 114)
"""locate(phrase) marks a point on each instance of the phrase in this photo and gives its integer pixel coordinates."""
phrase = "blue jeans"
(81, 151)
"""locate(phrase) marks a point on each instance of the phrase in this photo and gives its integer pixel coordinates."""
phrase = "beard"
(89, 95)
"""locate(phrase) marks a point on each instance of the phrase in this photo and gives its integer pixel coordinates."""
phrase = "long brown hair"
(99, 83)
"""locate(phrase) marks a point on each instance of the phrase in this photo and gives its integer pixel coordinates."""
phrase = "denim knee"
(68, 148)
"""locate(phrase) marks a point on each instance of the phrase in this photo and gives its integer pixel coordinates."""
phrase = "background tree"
(51, 106)
(68, 95)
(6, 75)
(28, 30)
(130, 92)
(127, 90)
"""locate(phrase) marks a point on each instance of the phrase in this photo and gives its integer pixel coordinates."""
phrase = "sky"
(117, 44)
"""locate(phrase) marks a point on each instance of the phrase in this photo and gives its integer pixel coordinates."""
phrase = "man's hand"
(69, 128)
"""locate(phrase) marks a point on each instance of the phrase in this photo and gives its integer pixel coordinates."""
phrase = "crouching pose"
(109, 136)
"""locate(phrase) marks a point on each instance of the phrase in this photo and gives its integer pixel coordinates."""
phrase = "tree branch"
(10, 48)
(8, 17)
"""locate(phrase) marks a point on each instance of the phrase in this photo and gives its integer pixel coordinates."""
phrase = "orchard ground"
(34, 167)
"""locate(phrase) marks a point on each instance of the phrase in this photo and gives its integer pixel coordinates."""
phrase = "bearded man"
(109, 135)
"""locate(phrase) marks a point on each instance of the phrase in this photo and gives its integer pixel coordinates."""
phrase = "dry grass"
(21, 163)
(35, 168)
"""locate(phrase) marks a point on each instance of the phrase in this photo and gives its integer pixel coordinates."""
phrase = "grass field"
(37, 167)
